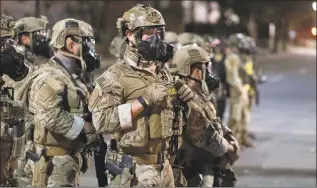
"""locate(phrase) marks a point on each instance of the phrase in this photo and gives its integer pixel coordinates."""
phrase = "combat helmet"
(251, 44)
(171, 37)
(236, 40)
(66, 27)
(7, 23)
(184, 58)
(30, 24)
(191, 39)
(140, 16)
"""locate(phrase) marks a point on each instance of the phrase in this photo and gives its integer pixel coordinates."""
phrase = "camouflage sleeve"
(109, 114)
(204, 135)
(47, 91)
(232, 64)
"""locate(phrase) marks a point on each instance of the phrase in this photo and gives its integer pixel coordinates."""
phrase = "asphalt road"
(284, 123)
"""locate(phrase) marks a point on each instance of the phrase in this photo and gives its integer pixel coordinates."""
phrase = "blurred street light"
(314, 6)
(313, 31)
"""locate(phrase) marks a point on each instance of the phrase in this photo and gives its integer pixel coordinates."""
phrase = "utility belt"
(49, 151)
(146, 159)
(57, 151)
(122, 166)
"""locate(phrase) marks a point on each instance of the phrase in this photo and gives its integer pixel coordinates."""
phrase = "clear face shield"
(144, 33)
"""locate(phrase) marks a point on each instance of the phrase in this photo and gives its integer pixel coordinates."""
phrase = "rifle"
(176, 108)
(254, 85)
(100, 166)
(12, 112)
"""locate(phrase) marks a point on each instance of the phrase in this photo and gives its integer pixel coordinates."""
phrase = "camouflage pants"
(58, 171)
(154, 175)
(199, 174)
(24, 172)
(5, 146)
(150, 176)
(250, 105)
(239, 118)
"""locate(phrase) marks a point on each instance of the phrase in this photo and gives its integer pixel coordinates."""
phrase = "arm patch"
(45, 93)
(49, 88)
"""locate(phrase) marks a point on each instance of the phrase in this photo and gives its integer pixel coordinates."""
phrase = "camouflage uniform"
(117, 47)
(9, 144)
(30, 25)
(147, 136)
(238, 100)
(56, 98)
(204, 138)
(251, 80)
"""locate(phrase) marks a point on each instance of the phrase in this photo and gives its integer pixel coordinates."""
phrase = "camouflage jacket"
(232, 64)
(54, 100)
(204, 130)
(110, 105)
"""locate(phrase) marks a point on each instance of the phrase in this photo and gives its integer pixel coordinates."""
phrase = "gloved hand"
(155, 93)
(184, 92)
(235, 153)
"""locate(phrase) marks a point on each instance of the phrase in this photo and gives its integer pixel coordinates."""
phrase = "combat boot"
(247, 143)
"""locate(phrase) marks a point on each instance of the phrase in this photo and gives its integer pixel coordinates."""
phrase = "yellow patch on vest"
(248, 67)
(218, 57)
(45, 93)
(171, 91)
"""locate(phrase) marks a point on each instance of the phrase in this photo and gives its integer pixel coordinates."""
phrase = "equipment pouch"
(167, 123)
(41, 172)
(138, 137)
(18, 147)
(123, 180)
(155, 126)
(179, 178)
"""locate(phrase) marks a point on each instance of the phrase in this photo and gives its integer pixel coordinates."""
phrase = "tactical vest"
(209, 113)
(154, 127)
(45, 137)
(245, 71)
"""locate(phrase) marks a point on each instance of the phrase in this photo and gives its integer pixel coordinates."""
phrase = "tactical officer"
(219, 47)
(11, 64)
(58, 100)
(191, 39)
(131, 100)
(239, 86)
(117, 47)
(197, 155)
(247, 57)
(32, 36)
(179, 179)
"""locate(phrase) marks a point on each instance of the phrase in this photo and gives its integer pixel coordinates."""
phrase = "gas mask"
(40, 43)
(154, 48)
(91, 58)
(209, 81)
(26, 52)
